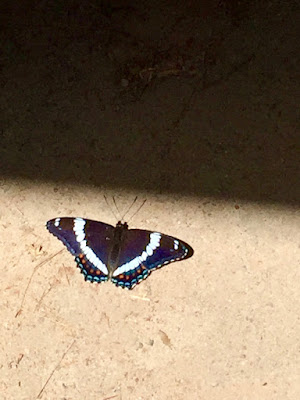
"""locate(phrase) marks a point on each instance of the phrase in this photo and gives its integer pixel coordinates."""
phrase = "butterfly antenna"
(137, 210)
(112, 211)
(114, 200)
(127, 211)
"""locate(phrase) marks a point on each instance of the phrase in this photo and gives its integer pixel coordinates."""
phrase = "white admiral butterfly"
(124, 256)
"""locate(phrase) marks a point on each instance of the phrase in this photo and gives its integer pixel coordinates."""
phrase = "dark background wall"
(193, 97)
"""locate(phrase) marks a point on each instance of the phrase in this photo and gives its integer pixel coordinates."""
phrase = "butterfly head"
(122, 225)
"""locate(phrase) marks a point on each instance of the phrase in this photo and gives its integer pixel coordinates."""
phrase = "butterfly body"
(116, 246)
(124, 256)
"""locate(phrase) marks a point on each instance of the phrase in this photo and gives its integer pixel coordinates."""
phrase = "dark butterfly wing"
(144, 251)
(89, 241)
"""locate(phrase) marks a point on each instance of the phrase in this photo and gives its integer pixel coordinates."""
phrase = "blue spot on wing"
(88, 270)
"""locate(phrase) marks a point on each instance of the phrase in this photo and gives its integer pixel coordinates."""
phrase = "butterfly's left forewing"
(144, 251)
(89, 241)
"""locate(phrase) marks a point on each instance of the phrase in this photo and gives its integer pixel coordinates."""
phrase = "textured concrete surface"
(223, 324)
(195, 109)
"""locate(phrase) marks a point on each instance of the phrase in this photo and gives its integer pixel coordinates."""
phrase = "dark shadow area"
(193, 97)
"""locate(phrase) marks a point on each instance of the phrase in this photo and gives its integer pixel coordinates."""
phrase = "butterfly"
(124, 256)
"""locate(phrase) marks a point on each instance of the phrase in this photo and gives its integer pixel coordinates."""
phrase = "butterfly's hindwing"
(89, 271)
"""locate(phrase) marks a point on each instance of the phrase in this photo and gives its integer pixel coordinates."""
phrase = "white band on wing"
(153, 244)
(78, 229)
